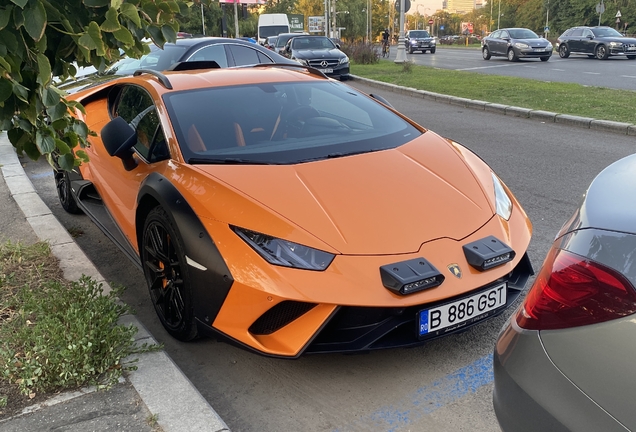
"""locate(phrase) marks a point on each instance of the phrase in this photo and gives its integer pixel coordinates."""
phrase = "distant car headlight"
(433, 42)
(504, 205)
(521, 45)
(344, 60)
(285, 253)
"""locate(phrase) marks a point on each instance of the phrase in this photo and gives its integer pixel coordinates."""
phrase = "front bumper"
(532, 395)
(532, 53)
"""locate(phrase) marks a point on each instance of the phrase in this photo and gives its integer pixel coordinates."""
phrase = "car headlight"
(616, 44)
(302, 62)
(433, 42)
(549, 47)
(344, 60)
(504, 205)
(522, 45)
(285, 253)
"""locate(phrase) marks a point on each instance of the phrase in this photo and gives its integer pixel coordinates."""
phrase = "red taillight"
(573, 291)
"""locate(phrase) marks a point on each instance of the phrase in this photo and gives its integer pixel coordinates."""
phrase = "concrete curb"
(161, 385)
(547, 116)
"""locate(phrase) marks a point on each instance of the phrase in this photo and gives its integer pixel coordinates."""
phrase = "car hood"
(318, 53)
(421, 39)
(385, 202)
(533, 42)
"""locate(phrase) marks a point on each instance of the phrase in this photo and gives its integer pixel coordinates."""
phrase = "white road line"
(483, 67)
(628, 76)
(558, 70)
(592, 73)
(531, 67)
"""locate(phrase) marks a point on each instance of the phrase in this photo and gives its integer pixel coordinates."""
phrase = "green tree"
(41, 40)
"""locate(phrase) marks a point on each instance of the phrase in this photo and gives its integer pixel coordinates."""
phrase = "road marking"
(531, 67)
(558, 70)
(592, 73)
(484, 67)
(628, 76)
(427, 399)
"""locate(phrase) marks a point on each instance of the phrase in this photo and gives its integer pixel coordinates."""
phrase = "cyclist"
(385, 42)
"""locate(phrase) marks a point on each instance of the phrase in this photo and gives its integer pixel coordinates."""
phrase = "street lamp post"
(547, 14)
(401, 51)
(499, 15)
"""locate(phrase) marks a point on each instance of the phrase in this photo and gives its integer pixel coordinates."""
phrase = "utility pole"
(236, 26)
(401, 52)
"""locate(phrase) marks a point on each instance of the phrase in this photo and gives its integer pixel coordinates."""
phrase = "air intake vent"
(279, 316)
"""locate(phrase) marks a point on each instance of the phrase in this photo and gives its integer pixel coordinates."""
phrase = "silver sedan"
(565, 360)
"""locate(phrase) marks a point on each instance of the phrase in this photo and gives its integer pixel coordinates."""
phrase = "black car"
(419, 40)
(282, 40)
(516, 43)
(596, 42)
(321, 53)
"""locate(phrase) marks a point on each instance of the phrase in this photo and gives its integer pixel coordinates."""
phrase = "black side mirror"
(381, 99)
(119, 138)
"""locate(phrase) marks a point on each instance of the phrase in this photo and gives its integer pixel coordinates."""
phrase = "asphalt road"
(615, 72)
(443, 386)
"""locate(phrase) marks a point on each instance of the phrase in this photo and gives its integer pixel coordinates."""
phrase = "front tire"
(64, 192)
(433, 50)
(544, 59)
(166, 272)
(631, 57)
(564, 52)
(485, 53)
(512, 56)
(410, 49)
(601, 52)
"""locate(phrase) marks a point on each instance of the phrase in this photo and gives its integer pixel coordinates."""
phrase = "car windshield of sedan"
(523, 34)
(158, 59)
(419, 34)
(606, 32)
(281, 123)
(312, 43)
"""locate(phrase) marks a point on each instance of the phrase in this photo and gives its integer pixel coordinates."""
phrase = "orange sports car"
(293, 214)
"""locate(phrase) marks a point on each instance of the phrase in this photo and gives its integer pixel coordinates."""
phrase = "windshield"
(158, 59)
(313, 43)
(523, 34)
(606, 32)
(267, 31)
(282, 40)
(282, 123)
(419, 34)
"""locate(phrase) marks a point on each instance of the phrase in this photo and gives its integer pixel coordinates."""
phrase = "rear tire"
(631, 57)
(564, 52)
(485, 53)
(64, 192)
(164, 263)
(512, 56)
(601, 52)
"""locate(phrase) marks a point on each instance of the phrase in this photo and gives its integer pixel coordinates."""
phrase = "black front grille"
(279, 316)
(330, 63)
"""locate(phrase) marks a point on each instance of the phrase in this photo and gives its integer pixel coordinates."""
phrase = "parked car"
(321, 53)
(564, 360)
(595, 42)
(283, 38)
(515, 44)
(419, 40)
(291, 213)
(270, 42)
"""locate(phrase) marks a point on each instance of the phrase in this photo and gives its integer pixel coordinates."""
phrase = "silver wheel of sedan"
(512, 56)
(601, 52)
(485, 53)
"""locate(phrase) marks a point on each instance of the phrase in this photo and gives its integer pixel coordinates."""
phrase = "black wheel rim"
(164, 274)
(63, 188)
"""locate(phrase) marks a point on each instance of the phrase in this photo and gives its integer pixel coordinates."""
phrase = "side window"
(496, 35)
(504, 34)
(576, 33)
(137, 108)
(587, 33)
(212, 52)
(243, 55)
(262, 58)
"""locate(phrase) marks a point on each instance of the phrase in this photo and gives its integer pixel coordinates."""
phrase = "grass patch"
(564, 98)
(55, 334)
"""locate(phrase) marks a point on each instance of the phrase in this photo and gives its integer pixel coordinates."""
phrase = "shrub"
(361, 52)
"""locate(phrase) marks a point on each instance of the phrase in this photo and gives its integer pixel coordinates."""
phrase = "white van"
(272, 25)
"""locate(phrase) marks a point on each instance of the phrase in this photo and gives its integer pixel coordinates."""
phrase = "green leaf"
(44, 141)
(35, 21)
(156, 35)
(168, 33)
(6, 89)
(59, 124)
(30, 112)
(9, 40)
(66, 161)
(31, 150)
(81, 155)
(111, 24)
(21, 92)
(130, 11)
(92, 39)
(44, 67)
(124, 35)
(76, 105)
(6, 66)
(50, 98)
(80, 128)
(96, 3)
(21, 3)
(115, 4)
(72, 138)
(18, 17)
(62, 147)
(4, 16)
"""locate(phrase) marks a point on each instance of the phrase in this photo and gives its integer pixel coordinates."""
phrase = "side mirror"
(338, 46)
(119, 138)
(381, 99)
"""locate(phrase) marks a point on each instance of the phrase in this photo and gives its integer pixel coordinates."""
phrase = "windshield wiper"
(228, 161)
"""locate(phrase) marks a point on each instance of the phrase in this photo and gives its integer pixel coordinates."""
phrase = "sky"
(434, 5)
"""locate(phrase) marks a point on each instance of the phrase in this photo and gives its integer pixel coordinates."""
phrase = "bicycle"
(385, 49)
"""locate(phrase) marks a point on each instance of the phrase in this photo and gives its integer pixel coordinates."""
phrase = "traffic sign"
(618, 14)
(431, 21)
(407, 5)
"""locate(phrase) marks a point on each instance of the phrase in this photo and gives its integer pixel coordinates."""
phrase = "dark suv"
(419, 40)
(595, 42)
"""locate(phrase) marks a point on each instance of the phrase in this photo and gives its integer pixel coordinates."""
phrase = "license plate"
(326, 71)
(451, 316)
(539, 49)
(631, 48)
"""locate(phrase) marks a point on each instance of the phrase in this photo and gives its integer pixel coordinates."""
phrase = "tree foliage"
(44, 40)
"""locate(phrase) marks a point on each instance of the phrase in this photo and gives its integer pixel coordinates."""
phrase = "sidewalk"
(157, 390)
